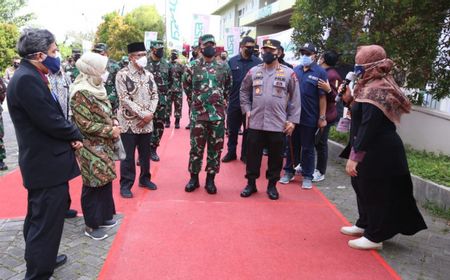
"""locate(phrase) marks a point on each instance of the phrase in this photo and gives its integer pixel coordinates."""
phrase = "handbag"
(119, 150)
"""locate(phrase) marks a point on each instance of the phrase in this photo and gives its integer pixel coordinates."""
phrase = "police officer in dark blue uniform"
(239, 65)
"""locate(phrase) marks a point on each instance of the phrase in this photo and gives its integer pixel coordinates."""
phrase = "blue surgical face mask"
(52, 63)
(359, 70)
(305, 60)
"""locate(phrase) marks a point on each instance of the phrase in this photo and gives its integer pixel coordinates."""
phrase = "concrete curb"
(424, 190)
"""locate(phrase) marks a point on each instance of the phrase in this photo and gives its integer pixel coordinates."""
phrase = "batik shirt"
(138, 97)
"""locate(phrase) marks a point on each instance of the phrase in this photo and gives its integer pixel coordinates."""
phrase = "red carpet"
(170, 234)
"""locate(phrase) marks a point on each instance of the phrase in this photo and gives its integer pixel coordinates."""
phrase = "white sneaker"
(306, 184)
(317, 176)
(352, 231)
(287, 177)
(298, 169)
(363, 243)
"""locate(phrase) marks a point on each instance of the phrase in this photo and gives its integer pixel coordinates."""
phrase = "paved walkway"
(423, 256)
(85, 256)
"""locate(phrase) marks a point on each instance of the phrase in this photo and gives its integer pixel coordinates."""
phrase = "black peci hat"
(136, 47)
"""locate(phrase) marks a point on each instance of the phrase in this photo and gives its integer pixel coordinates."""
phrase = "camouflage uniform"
(207, 86)
(176, 91)
(112, 67)
(2, 146)
(163, 79)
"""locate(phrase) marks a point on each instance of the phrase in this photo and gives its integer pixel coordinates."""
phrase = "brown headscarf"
(377, 86)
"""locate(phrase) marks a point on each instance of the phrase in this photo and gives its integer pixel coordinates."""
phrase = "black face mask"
(16, 65)
(174, 57)
(223, 57)
(268, 58)
(248, 51)
(159, 53)
(209, 51)
(194, 54)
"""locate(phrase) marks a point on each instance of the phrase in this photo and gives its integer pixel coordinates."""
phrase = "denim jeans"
(302, 139)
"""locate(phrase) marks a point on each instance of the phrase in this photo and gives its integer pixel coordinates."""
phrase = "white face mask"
(142, 62)
(105, 76)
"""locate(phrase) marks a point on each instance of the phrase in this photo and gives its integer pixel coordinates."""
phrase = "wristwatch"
(323, 118)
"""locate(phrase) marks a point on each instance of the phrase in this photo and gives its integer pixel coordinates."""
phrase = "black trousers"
(274, 142)
(43, 228)
(386, 207)
(128, 165)
(97, 204)
(234, 121)
(322, 149)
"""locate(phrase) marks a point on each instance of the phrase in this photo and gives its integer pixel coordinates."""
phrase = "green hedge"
(427, 165)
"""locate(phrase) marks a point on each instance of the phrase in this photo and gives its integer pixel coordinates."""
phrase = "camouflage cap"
(125, 58)
(208, 38)
(174, 51)
(100, 47)
(157, 44)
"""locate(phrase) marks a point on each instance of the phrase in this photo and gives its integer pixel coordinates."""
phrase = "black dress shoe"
(71, 213)
(244, 159)
(210, 186)
(229, 157)
(167, 125)
(126, 194)
(60, 260)
(153, 155)
(248, 191)
(188, 126)
(177, 123)
(192, 184)
(272, 192)
(148, 184)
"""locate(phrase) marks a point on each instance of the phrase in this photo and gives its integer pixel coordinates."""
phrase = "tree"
(8, 39)
(409, 30)
(118, 31)
(8, 10)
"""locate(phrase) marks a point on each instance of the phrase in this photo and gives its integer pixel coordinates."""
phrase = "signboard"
(200, 26)
(173, 33)
(148, 37)
(232, 38)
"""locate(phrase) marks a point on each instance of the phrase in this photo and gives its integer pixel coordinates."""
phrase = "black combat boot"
(167, 123)
(177, 123)
(153, 155)
(272, 191)
(192, 184)
(250, 188)
(210, 186)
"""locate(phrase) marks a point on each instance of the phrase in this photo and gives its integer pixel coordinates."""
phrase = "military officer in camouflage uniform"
(160, 68)
(110, 80)
(207, 85)
(176, 91)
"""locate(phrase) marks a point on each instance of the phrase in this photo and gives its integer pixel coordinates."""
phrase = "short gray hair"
(34, 40)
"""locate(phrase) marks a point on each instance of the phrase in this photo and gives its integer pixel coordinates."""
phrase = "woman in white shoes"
(92, 113)
(376, 156)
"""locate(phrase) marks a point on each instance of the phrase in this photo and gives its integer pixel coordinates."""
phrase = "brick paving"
(85, 255)
(424, 256)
